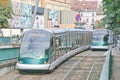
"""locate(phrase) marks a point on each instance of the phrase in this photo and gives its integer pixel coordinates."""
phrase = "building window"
(92, 19)
(93, 14)
(87, 20)
(81, 14)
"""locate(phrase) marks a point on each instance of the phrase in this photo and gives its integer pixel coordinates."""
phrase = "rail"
(70, 71)
(88, 77)
(106, 66)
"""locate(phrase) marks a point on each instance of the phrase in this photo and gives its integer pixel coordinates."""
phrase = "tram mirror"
(46, 50)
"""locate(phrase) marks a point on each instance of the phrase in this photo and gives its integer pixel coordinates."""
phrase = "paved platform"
(115, 68)
(115, 51)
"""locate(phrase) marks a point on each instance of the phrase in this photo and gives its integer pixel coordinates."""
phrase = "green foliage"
(5, 14)
(112, 12)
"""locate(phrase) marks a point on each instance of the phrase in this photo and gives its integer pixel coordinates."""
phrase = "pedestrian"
(17, 39)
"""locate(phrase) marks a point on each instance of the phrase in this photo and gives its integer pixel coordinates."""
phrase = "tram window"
(118, 39)
(58, 42)
(105, 38)
(51, 42)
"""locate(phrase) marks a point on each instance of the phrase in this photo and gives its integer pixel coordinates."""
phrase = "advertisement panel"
(22, 17)
(52, 18)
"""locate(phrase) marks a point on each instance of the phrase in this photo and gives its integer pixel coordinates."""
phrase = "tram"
(45, 49)
(102, 39)
(118, 40)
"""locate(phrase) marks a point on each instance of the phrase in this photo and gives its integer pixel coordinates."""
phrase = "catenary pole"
(34, 14)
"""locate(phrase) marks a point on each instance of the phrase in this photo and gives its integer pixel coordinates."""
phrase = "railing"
(9, 40)
(8, 59)
(5, 40)
(105, 74)
(9, 53)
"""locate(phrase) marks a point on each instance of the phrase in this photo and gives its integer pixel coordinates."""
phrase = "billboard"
(22, 17)
(52, 18)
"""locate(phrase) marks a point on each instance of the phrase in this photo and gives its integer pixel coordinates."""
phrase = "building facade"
(87, 10)
(56, 4)
(50, 13)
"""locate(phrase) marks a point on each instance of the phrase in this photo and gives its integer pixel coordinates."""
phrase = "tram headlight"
(44, 62)
(20, 62)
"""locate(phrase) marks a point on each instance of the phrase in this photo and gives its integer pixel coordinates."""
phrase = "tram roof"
(56, 30)
(60, 30)
(100, 30)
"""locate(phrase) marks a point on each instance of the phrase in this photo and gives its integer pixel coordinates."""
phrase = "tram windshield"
(99, 35)
(34, 44)
(98, 38)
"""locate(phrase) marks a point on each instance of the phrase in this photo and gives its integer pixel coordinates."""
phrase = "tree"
(5, 13)
(112, 12)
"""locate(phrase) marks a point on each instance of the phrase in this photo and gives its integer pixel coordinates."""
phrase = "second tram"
(102, 39)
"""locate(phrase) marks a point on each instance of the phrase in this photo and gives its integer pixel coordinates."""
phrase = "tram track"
(13, 75)
(83, 66)
(77, 67)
